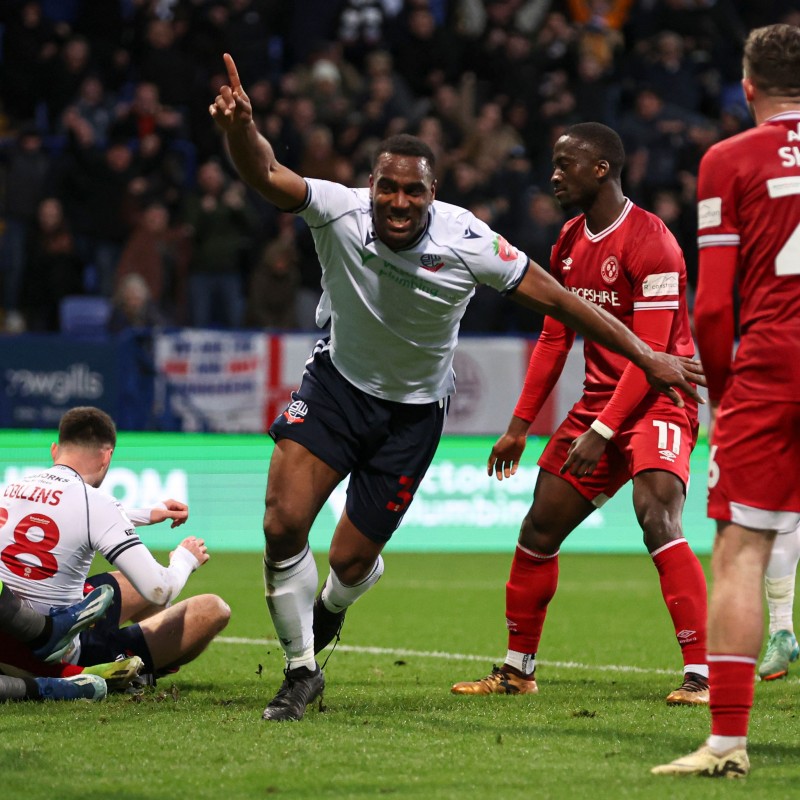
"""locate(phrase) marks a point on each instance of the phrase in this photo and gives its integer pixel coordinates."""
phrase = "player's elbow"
(709, 312)
(159, 594)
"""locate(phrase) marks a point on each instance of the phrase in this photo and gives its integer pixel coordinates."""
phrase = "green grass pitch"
(388, 726)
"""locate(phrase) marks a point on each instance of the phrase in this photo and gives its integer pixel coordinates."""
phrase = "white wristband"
(603, 430)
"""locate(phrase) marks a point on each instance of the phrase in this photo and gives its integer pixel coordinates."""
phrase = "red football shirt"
(633, 265)
(749, 199)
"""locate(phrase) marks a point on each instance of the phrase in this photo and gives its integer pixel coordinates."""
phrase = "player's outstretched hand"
(667, 373)
(197, 547)
(175, 510)
(231, 109)
(505, 455)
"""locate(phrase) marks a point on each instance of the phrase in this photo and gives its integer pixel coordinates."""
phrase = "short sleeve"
(326, 201)
(489, 257)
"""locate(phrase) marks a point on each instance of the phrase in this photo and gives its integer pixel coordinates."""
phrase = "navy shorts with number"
(105, 640)
(385, 447)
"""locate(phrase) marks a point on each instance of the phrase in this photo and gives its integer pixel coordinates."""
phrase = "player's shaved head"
(604, 142)
(87, 426)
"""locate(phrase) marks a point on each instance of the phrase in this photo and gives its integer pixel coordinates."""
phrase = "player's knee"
(351, 568)
(659, 528)
(214, 611)
(282, 527)
(537, 536)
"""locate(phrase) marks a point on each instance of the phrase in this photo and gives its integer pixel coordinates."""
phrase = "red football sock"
(732, 682)
(530, 588)
(683, 586)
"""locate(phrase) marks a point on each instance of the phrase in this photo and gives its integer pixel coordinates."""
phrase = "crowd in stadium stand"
(114, 181)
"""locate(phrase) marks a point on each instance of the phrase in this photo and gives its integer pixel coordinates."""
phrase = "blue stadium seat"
(84, 315)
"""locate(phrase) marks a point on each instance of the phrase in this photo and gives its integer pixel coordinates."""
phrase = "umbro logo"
(470, 234)
(685, 634)
(667, 455)
(567, 263)
(371, 237)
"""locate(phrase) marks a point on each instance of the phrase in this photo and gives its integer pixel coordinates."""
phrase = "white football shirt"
(395, 315)
(52, 524)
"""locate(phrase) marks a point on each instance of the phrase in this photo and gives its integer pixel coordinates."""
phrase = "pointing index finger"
(233, 74)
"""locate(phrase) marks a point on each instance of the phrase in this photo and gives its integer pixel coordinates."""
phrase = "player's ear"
(601, 168)
(749, 89)
(434, 186)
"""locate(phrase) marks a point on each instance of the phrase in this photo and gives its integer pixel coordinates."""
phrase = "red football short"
(659, 435)
(755, 463)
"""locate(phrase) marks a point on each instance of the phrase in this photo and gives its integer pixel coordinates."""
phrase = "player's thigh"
(128, 604)
(319, 438)
(659, 437)
(558, 508)
(754, 463)
(383, 485)
(609, 474)
(298, 484)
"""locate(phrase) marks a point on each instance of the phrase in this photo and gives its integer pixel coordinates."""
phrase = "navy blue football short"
(385, 447)
(105, 640)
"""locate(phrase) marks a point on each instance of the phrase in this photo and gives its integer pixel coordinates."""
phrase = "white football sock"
(721, 744)
(698, 669)
(780, 580)
(290, 587)
(337, 596)
(524, 662)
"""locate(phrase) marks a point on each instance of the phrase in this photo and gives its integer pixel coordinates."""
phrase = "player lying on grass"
(55, 522)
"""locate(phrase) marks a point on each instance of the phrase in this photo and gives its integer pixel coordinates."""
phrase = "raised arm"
(539, 290)
(252, 154)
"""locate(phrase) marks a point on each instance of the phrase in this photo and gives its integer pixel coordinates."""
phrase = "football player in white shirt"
(398, 269)
(54, 522)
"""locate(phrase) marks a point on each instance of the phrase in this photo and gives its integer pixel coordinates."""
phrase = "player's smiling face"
(402, 189)
(576, 172)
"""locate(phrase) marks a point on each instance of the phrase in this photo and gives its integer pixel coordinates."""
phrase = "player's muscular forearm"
(541, 291)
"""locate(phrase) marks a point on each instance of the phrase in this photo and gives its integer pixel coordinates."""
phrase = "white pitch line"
(389, 651)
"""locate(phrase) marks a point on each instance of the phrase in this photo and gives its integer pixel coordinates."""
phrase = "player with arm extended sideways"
(399, 268)
(625, 259)
(749, 238)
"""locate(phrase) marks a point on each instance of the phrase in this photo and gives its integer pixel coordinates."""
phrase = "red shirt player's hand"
(584, 453)
(508, 449)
